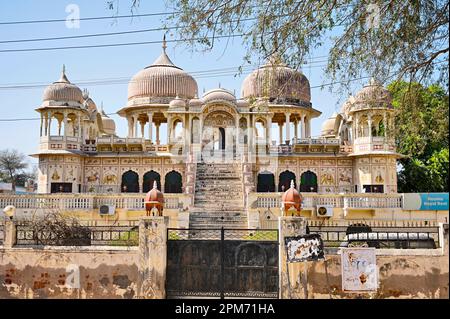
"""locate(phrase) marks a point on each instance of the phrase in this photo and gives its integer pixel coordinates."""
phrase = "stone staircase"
(219, 197)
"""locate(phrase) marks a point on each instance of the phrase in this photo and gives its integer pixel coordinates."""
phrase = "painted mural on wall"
(359, 269)
(308, 247)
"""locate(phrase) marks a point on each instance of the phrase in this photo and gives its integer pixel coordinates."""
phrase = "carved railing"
(273, 200)
(88, 201)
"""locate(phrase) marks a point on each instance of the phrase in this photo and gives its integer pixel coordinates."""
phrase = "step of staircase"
(218, 197)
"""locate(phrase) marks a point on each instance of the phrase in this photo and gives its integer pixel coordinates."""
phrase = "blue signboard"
(425, 201)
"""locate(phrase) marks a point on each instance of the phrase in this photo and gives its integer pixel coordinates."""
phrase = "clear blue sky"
(100, 63)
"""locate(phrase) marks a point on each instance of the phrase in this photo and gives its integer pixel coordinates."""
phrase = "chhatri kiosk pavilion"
(215, 156)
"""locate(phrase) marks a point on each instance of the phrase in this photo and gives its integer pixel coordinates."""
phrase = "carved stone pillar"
(290, 288)
(152, 257)
(288, 128)
(150, 127)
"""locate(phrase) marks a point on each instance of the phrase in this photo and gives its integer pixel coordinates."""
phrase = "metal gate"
(222, 263)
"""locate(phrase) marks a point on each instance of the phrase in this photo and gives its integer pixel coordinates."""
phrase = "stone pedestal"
(291, 285)
(152, 257)
(10, 234)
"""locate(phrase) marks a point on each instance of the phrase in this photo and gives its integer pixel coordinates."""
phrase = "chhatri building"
(216, 154)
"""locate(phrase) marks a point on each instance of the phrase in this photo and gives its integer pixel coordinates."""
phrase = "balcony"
(71, 201)
(131, 142)
(57, 142)
(373, 144)
(345, 201)
(307, 145)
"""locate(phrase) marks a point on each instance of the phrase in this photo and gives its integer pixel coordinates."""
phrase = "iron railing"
(216, 234)
(85, 235)
(379, 237)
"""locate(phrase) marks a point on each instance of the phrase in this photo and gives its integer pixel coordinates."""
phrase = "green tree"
(422, 123)
(380, 38)
(12, 165)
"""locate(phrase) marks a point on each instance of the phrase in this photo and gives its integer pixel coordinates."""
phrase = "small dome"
(109, 126)
(328, 127)
(90, 105)
(63, 90)
(219, 95)
(195, 102)
(277, 82)
(162, 79)
(291, 198)
(372, 95)
(177, 103)
(347, 105)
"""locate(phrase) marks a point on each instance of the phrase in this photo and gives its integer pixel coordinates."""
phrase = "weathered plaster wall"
(412, 273)
(42, 273)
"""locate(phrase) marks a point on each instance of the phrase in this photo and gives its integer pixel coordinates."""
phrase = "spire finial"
(164, 43)
(155, 185)
(63, 77)
(292, 183)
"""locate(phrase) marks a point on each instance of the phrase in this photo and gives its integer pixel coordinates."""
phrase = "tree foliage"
(384, 39)
(12, 165)
(422, 123)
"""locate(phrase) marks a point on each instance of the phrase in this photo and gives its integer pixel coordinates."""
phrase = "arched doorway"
(173, 182)
(285, 181)
(217, 133)
(148, 180)
(266, 182)
(308, 182)
(130, 182)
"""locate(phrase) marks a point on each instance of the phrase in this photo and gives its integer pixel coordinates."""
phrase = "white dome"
(109, 126)
(329, 126)
(277, 82)
(372, 95)
(162, 79)
(177, 102)
(219, 95)
(63, 90)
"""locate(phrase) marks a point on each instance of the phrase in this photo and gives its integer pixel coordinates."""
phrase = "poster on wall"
(307, 247)
(359, 270)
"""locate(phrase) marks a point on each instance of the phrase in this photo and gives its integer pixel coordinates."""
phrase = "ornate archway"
(149, 178)
(173, 182)
(130, 182)
(218, 131)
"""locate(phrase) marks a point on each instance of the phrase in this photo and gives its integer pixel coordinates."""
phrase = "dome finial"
(164, 43)
(155, 184)
(292, 183)
(63, 77)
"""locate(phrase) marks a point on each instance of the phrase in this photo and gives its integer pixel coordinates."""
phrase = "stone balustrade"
(355, 200)
(88, 201)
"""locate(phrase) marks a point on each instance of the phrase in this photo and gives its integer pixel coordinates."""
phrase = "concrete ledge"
(72, 249)
(395, 252)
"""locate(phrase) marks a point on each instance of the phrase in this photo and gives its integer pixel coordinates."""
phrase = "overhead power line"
(115, 44)
(126, 79)
(90, 18)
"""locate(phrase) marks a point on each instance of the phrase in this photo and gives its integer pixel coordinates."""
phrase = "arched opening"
(173, 182)
(177, 130)
(221, 138)
(195, 131)
(149, 178)
(130, 182)
(266, 182)
(243, 137)
(285, 181)
(308, 182)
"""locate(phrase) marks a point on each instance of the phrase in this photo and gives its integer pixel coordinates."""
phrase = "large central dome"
(162, 79)
(279, 83)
